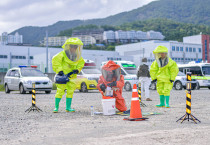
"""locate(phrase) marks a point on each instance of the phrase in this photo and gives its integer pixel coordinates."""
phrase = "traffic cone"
(135, 111)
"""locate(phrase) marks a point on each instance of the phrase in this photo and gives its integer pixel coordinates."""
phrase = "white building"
(8, 39)
(55, 41)
(11, 56)
(152, 35)
(109, 36)
(87, 40)
(131, 36)
(178, 51)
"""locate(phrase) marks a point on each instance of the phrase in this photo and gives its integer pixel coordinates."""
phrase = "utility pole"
(46, 70)
(28, 56)
(143, 52)
(10, 60)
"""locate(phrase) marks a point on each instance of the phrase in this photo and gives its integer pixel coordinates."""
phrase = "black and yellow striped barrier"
(188, 116)
(33, 107)
(139, 94)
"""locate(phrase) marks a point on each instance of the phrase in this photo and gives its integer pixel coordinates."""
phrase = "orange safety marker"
(135, 111)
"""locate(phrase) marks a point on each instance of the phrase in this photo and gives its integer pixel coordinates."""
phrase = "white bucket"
(108, 106)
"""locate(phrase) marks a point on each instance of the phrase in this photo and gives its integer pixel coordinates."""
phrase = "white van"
(200, 72)
(129, 70)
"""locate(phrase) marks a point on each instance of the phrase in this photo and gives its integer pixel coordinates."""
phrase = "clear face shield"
(162, 59)
(73, 52)
(111, 75)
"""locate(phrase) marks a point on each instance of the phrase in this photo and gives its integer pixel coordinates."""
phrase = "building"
(130, 36)
(60, 40)
(86, 39)
(96, 33)
(178, 51)
(12, 56)
(109, 36)
(203, 40)
(55, 41)
(152, 35)
(11, 39)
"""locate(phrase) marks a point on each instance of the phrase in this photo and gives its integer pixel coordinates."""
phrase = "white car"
(22, 77)
(179, 83)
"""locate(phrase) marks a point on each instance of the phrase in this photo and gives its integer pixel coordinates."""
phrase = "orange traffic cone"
(135, 111)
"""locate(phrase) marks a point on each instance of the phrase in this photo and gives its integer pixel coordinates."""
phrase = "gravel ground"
(18, 127)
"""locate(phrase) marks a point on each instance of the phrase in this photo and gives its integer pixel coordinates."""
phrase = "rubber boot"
(167, 101)
(162, 101)
(57, 101)
(68, 105)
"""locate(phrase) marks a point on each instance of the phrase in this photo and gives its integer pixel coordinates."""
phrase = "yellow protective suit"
(61, 62)
(163, 74)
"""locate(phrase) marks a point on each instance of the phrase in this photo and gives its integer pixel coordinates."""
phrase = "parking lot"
(18, 127)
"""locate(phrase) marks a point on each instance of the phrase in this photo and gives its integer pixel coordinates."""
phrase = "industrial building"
(178, 51)
(12, 56)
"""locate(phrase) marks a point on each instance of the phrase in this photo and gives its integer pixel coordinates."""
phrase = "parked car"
(21, 78)
(179, 83)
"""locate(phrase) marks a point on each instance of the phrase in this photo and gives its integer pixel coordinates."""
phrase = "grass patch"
(54, 86)
(1, 87)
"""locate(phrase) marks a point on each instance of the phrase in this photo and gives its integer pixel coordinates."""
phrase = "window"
(31, 57)
(181, 48)
(194, 50)
(186, 49)
(122, 72)
(24, 57)
(190, 49)
(175, 58)
(199, 49)
(179, 59)
(173, 48)
(177, 48)
(191, 59)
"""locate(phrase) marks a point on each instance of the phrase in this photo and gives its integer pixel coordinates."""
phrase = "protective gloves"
(102, 87)
(60, 73)
(112, 84)
(75, 71)
(153, 81)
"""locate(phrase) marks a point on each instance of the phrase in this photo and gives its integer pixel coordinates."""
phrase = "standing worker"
(144, 78)
(111, 77)
(163, 70)
(65, 62)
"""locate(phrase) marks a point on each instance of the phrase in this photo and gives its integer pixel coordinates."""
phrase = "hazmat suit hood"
(111, 71)
(73, 48)
(161, 55)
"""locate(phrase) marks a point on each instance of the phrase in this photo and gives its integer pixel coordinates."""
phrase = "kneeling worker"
(112, 78)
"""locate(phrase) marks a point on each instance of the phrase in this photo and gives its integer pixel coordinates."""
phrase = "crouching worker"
(67, 64)
(112, 79)
(163, 70)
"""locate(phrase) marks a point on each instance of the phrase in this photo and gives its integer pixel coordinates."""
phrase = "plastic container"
(108, 106)
(91, 111)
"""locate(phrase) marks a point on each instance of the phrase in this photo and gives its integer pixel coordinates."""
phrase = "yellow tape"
(33, 91)
(189, 78)
(188, 96)
(188, 111)
(33, 102)
(33, 96)
(188, 103)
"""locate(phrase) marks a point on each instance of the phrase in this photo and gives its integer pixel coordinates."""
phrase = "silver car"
(21, 78)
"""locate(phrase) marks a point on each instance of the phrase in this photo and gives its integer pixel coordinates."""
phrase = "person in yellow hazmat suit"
(163, 70)
(66, 61)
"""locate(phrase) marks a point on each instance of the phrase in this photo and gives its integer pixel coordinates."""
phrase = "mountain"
(187, 11)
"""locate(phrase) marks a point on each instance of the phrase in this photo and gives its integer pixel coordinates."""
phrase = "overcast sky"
(15, 14)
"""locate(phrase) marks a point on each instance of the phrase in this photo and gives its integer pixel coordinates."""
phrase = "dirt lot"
(18, 127)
